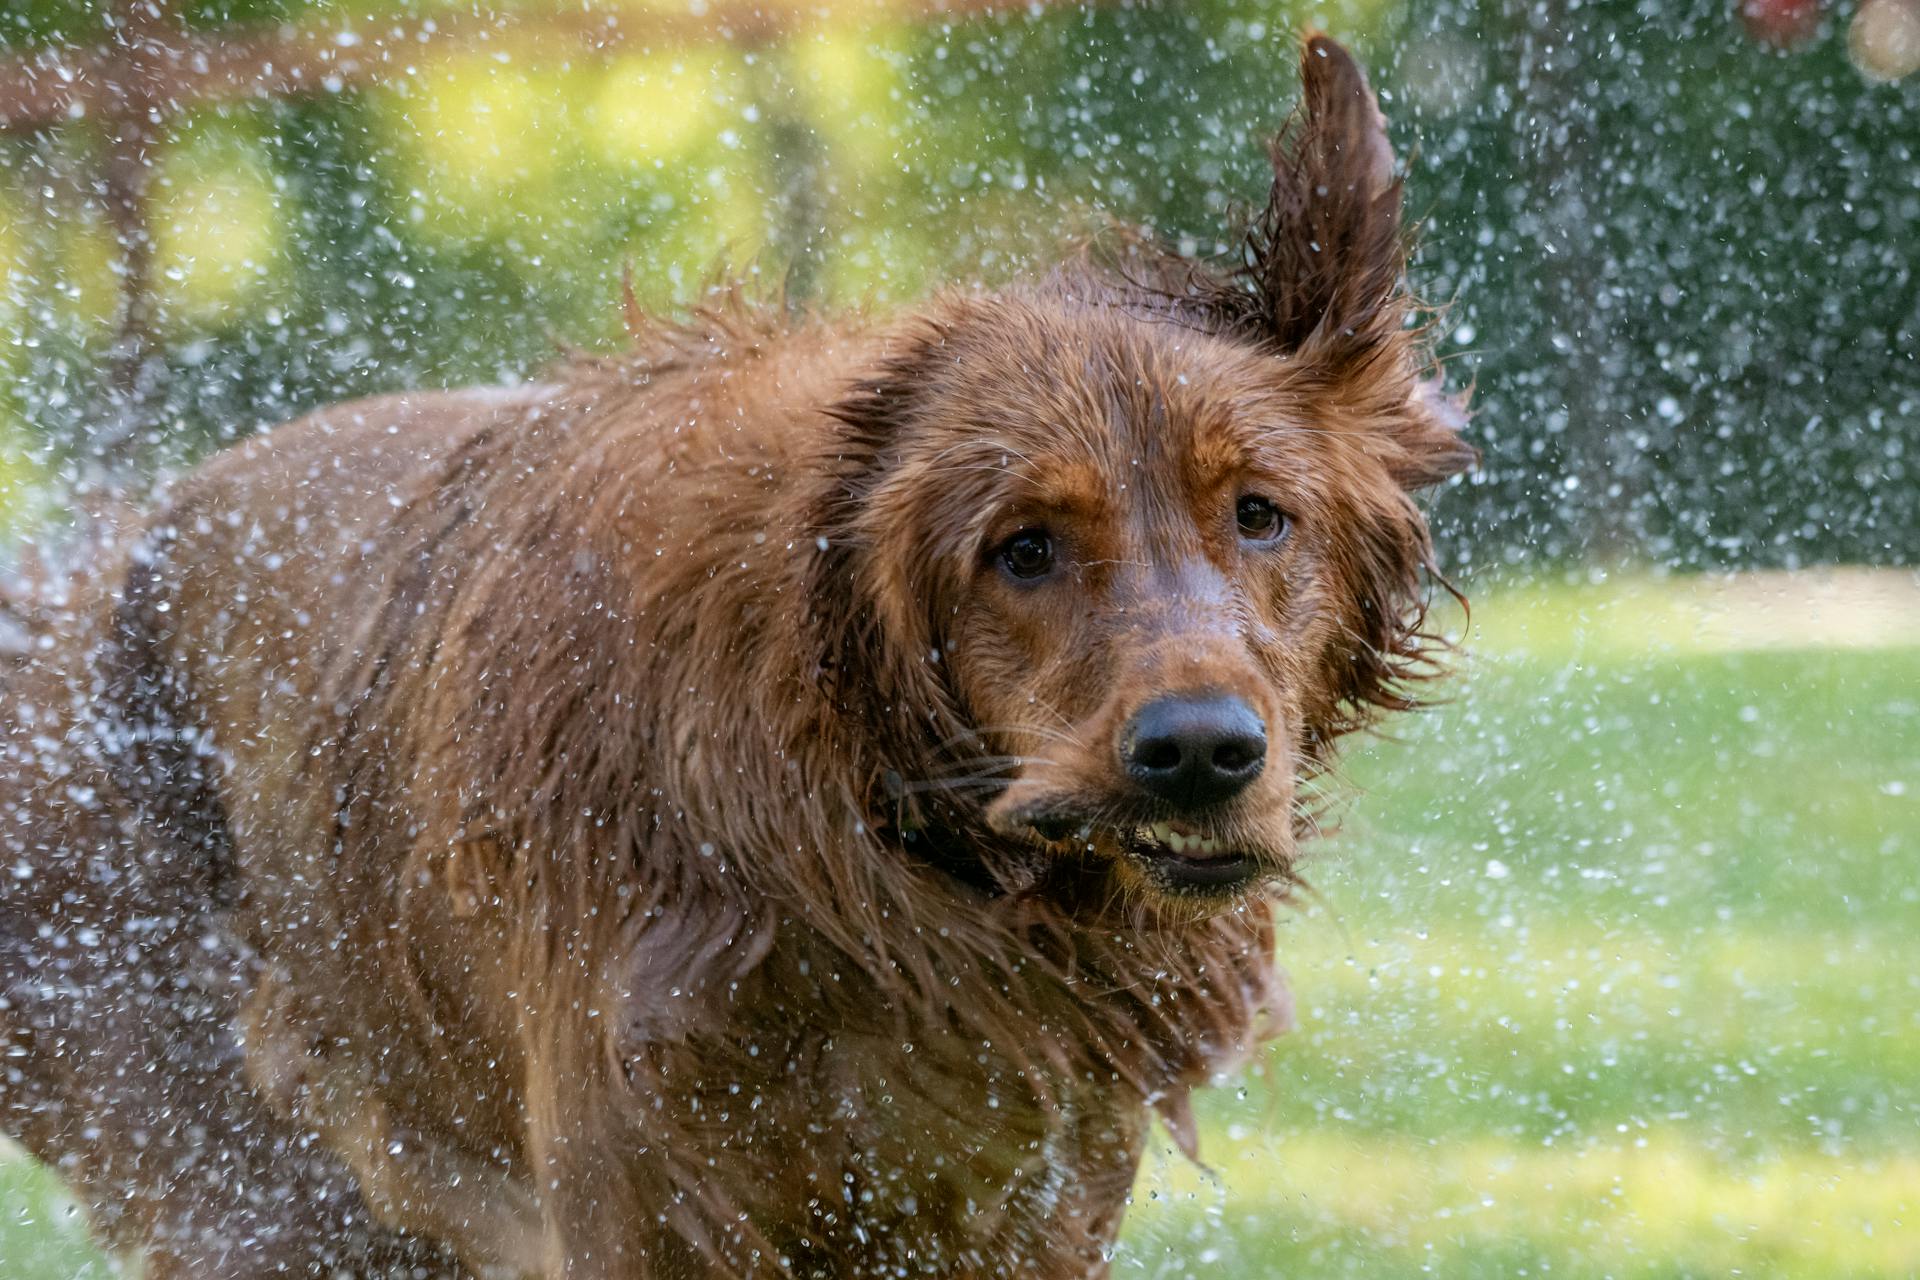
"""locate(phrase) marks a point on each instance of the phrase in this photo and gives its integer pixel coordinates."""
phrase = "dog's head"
(1129, 549)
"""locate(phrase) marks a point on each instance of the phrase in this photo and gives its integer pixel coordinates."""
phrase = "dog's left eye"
(1259, 520)
(1028, 553)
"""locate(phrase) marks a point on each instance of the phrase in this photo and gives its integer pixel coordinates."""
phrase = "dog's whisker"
(969, 771)
(983, 762)
(983, 446)
(949, 785)
(1068, 735)
(1041, 731)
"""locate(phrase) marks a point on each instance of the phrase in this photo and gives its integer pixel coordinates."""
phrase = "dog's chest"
(941, 1154)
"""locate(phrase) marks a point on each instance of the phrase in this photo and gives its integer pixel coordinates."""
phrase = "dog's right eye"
(1028, 553)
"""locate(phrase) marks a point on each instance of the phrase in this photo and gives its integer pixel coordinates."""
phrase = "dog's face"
(1145, 555)
(1139, 554)
(1150, 555)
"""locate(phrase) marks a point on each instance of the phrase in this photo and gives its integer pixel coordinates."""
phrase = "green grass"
(1612, 970)
(42, 1233)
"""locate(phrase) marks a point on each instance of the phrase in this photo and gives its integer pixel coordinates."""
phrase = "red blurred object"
(1784, 24)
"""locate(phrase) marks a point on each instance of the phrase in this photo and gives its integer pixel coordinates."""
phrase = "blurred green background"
(1611, 970)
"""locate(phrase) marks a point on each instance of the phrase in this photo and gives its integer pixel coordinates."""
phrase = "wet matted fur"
(673, 820)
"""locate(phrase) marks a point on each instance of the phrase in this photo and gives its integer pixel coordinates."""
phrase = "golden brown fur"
(632, 825)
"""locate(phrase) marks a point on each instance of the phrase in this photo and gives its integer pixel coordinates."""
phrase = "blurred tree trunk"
(136, 374)
(1557, 120)
(797, 220)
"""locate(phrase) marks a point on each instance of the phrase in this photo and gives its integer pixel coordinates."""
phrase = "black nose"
(1194, 751)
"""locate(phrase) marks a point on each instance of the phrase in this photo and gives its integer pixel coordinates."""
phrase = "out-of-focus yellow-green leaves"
(23, 478)
(476, 143)
(648, 109)
(655, 159)
(850, 87)
(217, 222)
(13, 262)
(83, 258)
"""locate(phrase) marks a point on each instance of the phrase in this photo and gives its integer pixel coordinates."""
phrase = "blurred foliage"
(1681, 265)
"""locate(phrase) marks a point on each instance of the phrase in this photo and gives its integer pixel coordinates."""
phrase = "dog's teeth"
(1179, 842)
(1209, 846)
(1163, 834)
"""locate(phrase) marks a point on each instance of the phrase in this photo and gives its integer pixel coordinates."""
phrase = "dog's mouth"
(1178, 857)
(1173, 839)
(1194, 862)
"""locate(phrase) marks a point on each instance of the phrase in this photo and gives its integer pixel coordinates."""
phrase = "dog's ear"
(1426, 436)
(1323, 261)
(1321, 275)
(1321, 264)
(873, 616)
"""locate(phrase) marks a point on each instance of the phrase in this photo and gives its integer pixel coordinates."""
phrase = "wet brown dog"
(789, 802)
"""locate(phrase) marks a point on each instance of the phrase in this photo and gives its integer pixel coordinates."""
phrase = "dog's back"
(158, 889)
(121, 1063)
